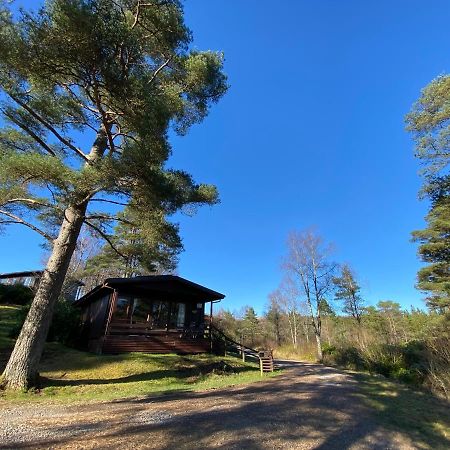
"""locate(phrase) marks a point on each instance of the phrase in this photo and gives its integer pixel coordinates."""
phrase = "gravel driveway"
(307, 407)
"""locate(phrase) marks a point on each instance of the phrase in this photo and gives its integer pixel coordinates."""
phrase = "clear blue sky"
(311, 132)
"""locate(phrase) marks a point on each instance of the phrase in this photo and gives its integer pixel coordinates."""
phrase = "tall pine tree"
(429, 121)
(89, 90)
(134, 251)
(434, 249)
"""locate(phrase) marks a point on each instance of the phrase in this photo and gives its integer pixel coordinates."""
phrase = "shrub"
(403, 362)
(328, 349)
(65, 326)
(15, 294)
(347, 357)
(438, 368)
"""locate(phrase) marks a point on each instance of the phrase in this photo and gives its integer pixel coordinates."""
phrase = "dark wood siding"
(96, 315)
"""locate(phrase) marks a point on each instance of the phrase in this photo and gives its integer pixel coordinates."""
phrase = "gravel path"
(307, 407)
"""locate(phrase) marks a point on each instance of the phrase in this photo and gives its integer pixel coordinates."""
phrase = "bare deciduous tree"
(308, 265)
(286, 297)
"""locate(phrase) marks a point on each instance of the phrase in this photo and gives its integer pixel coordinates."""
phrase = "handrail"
(240, 346)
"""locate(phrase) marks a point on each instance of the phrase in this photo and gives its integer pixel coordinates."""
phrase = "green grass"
(7, 321)
(424, 418)
(304, 352)
(69, 375)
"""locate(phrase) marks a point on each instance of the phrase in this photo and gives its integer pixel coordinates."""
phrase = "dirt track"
(307, 407)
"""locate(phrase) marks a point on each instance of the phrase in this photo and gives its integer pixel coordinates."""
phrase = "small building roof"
(32, 273)
(26, 273)
(169, 287)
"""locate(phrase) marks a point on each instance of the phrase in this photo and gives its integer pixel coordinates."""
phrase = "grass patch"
(69, 375)
(8, 320)
(304, 352)
(424, 418)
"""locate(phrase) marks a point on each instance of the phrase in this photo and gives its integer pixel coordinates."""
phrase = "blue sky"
(311, 133)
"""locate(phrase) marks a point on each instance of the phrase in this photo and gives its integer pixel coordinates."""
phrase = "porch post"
(210, 327)
(169, 316)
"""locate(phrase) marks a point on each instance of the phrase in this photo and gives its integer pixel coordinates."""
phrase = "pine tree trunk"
(319, 348)
(21, 371)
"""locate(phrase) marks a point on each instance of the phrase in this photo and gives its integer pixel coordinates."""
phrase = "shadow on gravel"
(290, 411)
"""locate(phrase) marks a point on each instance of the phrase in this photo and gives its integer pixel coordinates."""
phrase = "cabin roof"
(26, 273)
(169, 286)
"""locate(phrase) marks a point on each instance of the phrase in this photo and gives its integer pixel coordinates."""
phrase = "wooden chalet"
(29, 278)
(32, 278)
(153, 314)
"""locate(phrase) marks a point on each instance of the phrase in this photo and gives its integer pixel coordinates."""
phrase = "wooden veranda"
(155, 314)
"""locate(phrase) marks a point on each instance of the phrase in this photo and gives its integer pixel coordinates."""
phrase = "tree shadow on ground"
(398, 406)
(189, 374)
(309, 407)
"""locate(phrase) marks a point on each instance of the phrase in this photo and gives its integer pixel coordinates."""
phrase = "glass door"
(160, 315)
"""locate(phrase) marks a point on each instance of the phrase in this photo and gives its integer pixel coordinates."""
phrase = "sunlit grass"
(68, 375)
(7, 321)
(304, 352)
(424, 418)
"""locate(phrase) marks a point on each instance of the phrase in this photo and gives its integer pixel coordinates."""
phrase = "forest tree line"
(91, 71)
(318, 313)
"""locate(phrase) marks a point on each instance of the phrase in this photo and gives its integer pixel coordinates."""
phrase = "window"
(122, 308)
(141, 310)
(197, 315)
(160, 314)
(181, 315)
(177, 315)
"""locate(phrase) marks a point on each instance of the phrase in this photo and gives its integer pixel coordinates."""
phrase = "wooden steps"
(154, 344)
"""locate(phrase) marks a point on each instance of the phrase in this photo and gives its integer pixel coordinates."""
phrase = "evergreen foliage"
(144, 252)
(79, 68)
(89, 90)
(434, 249)
(429, 121)
(348, 291)
(15, 294)
(250, 326)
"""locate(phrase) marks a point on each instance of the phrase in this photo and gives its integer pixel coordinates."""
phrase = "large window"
(177, 315)
(122, 309)
(157, 314)
(141, 310)
(160, 315)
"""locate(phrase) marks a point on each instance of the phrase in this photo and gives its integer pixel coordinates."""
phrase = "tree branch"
(49, 127)
(105, 237)
(30, 132)
(136, 17)
(112, 218)
(108, 201)
(18, 220)
(161, 67)
(27, 200)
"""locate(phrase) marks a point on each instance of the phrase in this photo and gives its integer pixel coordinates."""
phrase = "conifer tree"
(250, 325)
(89, 90)
(429, 121)
(434, 249)
(348, 291)
(135, 251)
